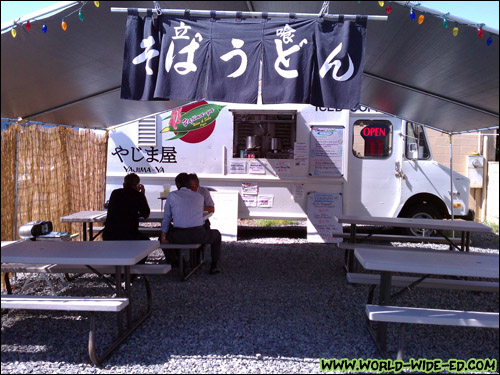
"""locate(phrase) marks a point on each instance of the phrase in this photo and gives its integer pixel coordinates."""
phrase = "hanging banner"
(183, 58)
(234, 61)
(340, 61)
(308, 61)
(288, 61)
(140, 59)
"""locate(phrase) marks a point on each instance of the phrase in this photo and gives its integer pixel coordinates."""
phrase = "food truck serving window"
(372, 139)
(264, 134)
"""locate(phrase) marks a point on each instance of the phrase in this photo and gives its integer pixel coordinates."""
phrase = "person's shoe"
(214, 271)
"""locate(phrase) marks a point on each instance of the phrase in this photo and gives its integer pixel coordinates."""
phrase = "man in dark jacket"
(126, 205)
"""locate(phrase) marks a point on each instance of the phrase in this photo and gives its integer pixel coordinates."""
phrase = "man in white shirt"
(208, 203)
(184, 208)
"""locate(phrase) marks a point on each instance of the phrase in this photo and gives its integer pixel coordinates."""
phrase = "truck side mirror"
(412, 151)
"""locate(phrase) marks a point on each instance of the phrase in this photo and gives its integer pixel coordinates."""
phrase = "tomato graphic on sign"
(192, 123)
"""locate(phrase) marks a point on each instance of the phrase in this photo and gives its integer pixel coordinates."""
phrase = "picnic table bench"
(196, 257)
(415, 315)
(399, 238)
(88, 304)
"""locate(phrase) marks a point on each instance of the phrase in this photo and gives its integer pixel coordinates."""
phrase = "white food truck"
(288, 161)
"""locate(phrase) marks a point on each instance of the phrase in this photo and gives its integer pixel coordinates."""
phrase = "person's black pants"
(199, 234)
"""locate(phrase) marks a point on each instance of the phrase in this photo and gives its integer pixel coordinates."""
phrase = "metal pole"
(225, 13)
(451, 178)
(16, 186)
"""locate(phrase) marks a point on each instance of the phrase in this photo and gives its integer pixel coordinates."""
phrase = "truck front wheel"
(421, 211)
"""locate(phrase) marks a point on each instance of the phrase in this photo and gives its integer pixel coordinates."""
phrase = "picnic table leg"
(84, 231)
(349, 253)
(122, 335)
(384, 300)
(129, 296)
(467, 241)
(118, 289)
(7, 282)
(401, 342)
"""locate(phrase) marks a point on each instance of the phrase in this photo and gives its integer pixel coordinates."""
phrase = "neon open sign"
(375, 131)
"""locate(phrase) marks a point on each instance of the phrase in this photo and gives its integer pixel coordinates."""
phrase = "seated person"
(194, 185)
(184, 208)
(208, 203)
(126, 205)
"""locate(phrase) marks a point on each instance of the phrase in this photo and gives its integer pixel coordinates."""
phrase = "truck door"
(373, 186)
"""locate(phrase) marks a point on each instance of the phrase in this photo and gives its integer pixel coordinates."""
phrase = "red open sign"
(374, 131)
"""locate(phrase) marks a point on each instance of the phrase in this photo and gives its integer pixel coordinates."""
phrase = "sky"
(477, 11)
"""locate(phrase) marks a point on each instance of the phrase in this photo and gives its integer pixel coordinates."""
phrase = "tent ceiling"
(418, 72)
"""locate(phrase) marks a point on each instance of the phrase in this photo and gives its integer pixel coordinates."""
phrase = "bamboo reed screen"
(59, 171)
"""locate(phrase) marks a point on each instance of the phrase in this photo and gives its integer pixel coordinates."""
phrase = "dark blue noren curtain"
(339, 65)
(183, 58)
(140, 57)
(235, 51)
(287, 61)
(308, 61)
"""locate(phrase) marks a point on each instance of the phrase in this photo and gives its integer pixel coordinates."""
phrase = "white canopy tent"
(417, 72)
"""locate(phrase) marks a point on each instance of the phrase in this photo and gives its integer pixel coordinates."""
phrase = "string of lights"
(447, 19)
(414, 8)
(27, 23)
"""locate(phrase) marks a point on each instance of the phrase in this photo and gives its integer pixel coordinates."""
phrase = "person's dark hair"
(182, 180)
(194, 177)
(131, 180)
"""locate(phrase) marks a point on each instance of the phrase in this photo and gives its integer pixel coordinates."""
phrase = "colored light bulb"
(64, 25)
(388, 9)
(412, 14)
(381, 3)
(13, 32)
(96, 3)
(28, 25)
(80, 15)
(455, 31)
(44, 29)
(480, 32)
(420, 19)
(489, 41)
(445, 23)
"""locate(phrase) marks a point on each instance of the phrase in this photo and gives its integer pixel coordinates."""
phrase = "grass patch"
(493, 226)
(275, 223)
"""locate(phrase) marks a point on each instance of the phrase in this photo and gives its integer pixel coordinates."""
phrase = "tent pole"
(225, 13)
(451, 178)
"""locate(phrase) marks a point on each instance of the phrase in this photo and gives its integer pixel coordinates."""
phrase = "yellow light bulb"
(381, 3)
(13, 32)
(96, 3)
(455, 31)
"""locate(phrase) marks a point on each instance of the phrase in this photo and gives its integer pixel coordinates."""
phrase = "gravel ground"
(279, 306)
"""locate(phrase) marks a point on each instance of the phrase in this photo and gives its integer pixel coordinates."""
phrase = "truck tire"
(421, 211)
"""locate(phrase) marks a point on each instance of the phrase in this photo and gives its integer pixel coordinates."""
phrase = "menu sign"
(321, 211)
(326, 151)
